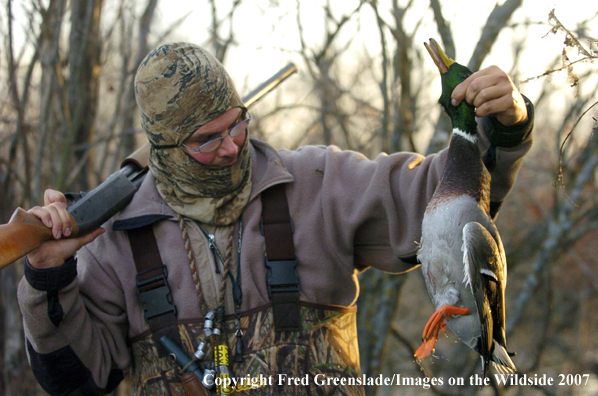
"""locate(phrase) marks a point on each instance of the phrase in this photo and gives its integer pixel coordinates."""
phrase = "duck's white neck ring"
(467, 136)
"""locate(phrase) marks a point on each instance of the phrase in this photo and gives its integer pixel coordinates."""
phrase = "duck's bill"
(442, 61)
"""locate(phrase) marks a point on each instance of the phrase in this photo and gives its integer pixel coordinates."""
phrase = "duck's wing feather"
(483, 266)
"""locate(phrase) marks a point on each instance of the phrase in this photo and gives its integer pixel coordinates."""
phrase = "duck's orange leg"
(435, 324)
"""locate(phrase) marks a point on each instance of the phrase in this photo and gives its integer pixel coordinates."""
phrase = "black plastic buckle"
(282, 276)
(156, 301)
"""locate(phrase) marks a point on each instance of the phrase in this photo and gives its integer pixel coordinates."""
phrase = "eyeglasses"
(213, 144)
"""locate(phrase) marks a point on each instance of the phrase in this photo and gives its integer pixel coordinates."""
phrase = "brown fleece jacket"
(349, 213)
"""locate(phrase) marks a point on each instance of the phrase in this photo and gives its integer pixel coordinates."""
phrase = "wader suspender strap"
(152, 285)
(282, 278)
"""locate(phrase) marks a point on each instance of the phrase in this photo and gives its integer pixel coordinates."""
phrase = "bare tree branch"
(560, 174)
(48, 48)
(384, 84)
(497, 20)
(444, 29)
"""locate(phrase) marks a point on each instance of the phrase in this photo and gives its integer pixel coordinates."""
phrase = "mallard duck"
(462, 255)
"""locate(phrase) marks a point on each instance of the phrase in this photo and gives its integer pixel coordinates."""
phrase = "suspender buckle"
(154, 292)
(282, 276)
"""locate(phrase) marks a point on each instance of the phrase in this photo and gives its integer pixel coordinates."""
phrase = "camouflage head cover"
(179, 87)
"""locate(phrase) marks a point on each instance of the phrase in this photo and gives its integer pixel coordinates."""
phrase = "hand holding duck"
(493, 93)
(462, 256)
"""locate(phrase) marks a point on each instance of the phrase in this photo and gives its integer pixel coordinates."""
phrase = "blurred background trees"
(68, 117)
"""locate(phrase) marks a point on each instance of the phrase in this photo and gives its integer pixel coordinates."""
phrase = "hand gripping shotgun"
(25, 232)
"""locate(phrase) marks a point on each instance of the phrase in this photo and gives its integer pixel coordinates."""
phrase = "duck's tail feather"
(502, 360)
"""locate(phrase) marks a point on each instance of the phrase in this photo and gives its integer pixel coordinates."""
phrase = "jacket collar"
(268, 169)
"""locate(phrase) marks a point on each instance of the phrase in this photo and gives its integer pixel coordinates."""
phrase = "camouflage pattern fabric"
(325, 347)
(179, 87)
(196, 191)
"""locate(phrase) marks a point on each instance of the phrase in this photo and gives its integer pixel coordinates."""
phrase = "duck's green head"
(452, 74)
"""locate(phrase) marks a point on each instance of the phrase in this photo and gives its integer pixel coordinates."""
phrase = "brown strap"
(281, 263)
(152, 286)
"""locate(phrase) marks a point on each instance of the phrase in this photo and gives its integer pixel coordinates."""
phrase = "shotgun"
(25, 232)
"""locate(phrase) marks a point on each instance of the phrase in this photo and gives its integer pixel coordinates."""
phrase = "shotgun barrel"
(25, 232)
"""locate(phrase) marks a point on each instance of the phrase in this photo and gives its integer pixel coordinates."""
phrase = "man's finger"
(56, 220)
(493, 93)
(65, 218)
(43, 215)
(51, 196)
(473, 84)
(494, 106)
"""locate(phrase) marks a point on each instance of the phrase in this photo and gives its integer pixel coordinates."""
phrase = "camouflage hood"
(179, 87)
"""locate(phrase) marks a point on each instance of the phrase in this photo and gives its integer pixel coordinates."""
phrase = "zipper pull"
(213, 247)
(212, 241)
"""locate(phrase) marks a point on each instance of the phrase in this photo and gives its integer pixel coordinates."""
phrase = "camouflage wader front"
(325, 347)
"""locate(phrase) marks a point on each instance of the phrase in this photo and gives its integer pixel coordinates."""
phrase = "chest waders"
(288, 347)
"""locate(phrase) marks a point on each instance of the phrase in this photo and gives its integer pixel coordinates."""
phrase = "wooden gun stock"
(23, 234)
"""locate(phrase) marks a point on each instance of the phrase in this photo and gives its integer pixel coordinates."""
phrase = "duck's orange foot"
(435, 324)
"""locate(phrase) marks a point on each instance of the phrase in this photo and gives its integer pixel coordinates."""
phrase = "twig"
(551, 71)
(570, 40)
(560, 176)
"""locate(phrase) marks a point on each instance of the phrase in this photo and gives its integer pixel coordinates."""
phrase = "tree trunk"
(82, 88)
(49, 58)
(378, 302)
(129, 103)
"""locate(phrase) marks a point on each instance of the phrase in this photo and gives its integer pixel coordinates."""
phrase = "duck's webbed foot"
(435, 324)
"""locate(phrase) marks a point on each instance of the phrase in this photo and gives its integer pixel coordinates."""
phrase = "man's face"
(228, 151)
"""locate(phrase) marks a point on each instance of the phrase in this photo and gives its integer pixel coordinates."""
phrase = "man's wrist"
(511, 136)
(51, 279)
